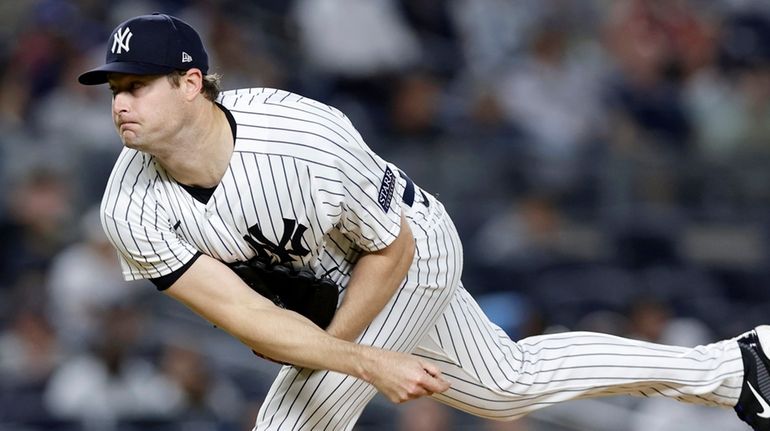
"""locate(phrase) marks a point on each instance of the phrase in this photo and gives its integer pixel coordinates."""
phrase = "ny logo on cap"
(120, 40)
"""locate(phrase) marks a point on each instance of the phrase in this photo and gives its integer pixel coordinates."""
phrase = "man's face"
(145, 110)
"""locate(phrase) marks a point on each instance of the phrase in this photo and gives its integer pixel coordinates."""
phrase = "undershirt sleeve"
(164, 282)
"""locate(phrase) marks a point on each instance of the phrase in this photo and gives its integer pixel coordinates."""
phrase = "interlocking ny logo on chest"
(288, 247)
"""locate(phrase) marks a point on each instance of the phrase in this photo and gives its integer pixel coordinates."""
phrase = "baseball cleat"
(754, 403)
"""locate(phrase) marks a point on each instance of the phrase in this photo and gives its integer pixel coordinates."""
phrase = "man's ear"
(192, 83)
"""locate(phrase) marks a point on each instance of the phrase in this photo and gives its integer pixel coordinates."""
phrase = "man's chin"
(130, 142)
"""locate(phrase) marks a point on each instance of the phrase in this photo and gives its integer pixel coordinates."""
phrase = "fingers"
(402, 377)
(426, 385)
(430, 368)
(437, 383)
(417, 391)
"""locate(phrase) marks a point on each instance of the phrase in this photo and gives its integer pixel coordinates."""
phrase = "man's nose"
(120, 103)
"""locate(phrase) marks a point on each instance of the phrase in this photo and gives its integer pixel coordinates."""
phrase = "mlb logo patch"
(387, 187)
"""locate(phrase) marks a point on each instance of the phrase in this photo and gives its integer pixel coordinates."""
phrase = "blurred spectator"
(730, 100)
(84, 279)
(432, 24)
(112, 382)
(42, 46)
(36, 226)
(492, 31)
(531, 241)
(375, 36)
(29, 353)
(207, 396)
(71, 104)
(378, 45)
(530, 233)
(415, 108)
(648, 319)
(29, 349)
(230, 40)
(657, 45)
(732, 116)
(554, 94)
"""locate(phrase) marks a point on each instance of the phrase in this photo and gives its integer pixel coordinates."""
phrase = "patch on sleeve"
(387, 188)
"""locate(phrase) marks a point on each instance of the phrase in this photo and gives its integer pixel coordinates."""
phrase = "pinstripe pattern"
(496, 378)
(299, 160)
(294, 159)
(434, 317)
(317, 400)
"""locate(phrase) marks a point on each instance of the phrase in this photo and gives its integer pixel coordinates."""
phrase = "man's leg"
(496, 378)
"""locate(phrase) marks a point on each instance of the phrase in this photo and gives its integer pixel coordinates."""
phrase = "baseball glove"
(297, 290)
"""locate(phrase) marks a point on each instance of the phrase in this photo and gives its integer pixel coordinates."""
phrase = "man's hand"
(402, 377)
(216, 293)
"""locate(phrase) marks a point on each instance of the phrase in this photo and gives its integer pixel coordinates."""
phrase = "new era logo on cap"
(154, 44)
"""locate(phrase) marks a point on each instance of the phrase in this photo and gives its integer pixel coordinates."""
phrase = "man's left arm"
(375, 278)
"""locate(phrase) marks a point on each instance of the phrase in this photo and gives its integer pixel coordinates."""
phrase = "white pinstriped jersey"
(301, 185)
(303, 188)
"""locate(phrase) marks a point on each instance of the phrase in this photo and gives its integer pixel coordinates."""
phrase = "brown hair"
(210, 89)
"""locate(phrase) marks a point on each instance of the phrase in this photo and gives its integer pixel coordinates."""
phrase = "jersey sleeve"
(136, 225)
(360, 191)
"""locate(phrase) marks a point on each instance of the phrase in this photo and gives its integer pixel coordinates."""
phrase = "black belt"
(408, 196)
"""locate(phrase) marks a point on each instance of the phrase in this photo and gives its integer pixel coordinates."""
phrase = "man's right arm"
(217, 294)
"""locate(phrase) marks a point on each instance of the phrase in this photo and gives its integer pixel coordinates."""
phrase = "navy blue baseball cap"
(156, 44)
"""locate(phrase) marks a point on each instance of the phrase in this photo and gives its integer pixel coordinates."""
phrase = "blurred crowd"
(606, 162)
